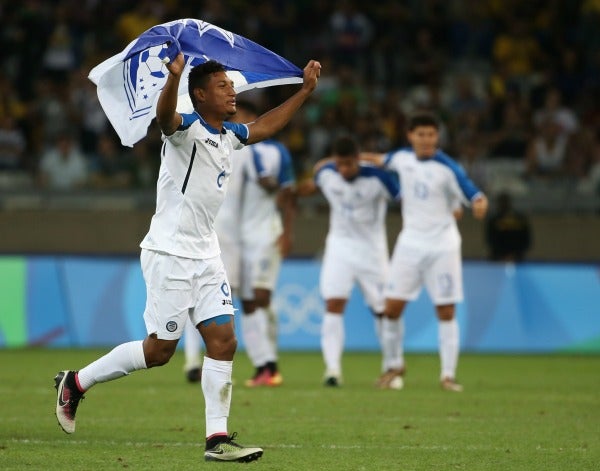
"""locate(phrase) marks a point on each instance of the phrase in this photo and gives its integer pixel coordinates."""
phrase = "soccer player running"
(356, 248)
(254, 236)
(428, 249)
(180, 259)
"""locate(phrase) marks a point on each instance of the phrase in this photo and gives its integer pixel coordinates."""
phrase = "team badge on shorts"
(225, 289)
(171, 326)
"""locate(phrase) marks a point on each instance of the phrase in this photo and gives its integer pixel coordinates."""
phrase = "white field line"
(142, 444)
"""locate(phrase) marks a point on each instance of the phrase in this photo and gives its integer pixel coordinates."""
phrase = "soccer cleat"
(448, 384)
(194, 375)
(275, 379)
(229, 450)
(391, 379)
(331, 382)
(67, 400)
(265, 378)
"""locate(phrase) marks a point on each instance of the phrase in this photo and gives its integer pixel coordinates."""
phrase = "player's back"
(358, 206)
(261, 220)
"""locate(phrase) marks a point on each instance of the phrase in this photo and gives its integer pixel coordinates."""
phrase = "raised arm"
(373, 158)
(274, 120)
(167, 117)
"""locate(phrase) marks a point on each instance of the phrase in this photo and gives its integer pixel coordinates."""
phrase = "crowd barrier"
(76, 301)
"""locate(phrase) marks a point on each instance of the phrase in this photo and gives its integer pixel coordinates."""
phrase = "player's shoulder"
(448, 162)
(239, 130)
(399, 155)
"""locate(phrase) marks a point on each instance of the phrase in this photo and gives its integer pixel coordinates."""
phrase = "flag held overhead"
(129, 83)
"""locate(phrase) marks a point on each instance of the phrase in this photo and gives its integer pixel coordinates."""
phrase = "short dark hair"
(423, 118)
(345, 146)
(200, 74)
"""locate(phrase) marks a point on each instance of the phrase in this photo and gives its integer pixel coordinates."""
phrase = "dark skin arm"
(274, 120)
(167, 117)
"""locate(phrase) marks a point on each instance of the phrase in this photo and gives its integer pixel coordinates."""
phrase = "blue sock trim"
(219, 320)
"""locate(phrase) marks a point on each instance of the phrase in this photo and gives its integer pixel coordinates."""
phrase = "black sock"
(271, 366)
(215, 440)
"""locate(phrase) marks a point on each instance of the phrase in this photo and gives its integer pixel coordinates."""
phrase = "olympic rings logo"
(300, 308)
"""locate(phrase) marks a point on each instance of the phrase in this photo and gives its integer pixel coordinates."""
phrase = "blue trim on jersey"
(388, 157)
(466, 185)
(240, 130)
(286, 170)
(258, 165)
(327, 166)
(389, 180)
(187, 120)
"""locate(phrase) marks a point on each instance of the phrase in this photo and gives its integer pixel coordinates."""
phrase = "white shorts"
(178, 288)
(439, 270)
(260, 268)
(344, 266)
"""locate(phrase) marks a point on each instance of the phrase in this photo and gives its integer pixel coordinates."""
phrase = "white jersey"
(357, 207)
(261, 221)
(192, 182)
(430, 190)
(227, 222)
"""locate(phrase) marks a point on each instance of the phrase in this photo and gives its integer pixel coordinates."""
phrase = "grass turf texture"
(517, 413)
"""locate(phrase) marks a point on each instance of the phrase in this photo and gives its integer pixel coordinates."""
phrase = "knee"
(222, 348)
(158, 357)
(445, 313)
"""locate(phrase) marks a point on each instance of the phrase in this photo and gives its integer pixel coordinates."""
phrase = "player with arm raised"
(180, 259)
(428, 249)
(356, 248)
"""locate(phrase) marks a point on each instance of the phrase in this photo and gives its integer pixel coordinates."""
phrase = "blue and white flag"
(129, 83)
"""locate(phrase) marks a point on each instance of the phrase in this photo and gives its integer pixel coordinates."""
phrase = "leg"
(444, 284)
(449, 341)
(392, 333)
(219, 336)
(332, 339)
(120, 361)
(191, 348)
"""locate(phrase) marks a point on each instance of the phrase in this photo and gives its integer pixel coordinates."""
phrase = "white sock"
(332, 343)
(449, 339)
(269, 348)
(254, 332)
(120, 361)
(392, 339)
(378, 320)
(191, 346)
(216, 387)
(272, 325)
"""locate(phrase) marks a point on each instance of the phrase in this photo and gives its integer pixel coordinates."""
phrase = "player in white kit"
(268, 211)
(180, 259)
(254, 237)
(356, 248)
(428, 249)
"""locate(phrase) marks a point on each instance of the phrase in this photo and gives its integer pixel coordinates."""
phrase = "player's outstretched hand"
(311, 75)
(480, 207)
(177, 65)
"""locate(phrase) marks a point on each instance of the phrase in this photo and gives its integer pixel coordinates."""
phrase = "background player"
(356, 248)
(253, 237)
(182, 269)
(428, 249)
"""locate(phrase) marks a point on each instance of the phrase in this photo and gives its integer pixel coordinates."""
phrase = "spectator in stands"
(547, 150)
(63, 167)
(507, 232)
(12, 144)
(112, 167)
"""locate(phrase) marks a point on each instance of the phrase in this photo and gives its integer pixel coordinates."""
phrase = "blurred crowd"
(516, 84)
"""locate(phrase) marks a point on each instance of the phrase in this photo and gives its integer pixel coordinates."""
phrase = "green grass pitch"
(516, 413)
